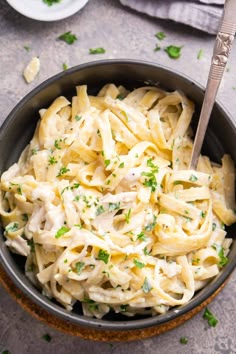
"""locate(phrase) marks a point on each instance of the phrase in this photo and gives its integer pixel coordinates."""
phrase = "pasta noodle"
(103, 206)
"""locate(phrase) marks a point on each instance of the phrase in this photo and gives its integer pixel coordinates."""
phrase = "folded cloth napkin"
(202, 14)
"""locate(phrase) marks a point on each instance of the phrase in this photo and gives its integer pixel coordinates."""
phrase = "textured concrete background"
(124, 34)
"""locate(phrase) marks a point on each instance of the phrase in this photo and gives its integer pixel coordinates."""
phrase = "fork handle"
(220, 56)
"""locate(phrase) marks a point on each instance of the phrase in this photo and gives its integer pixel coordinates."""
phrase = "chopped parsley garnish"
(146, 286)
(120, 96)
(56, 144)
(62, 231)
(200, 54)
(30, 243)
(160, 35)
(12, 227)
(92, 305)
(121, 165)
(183, 340)
(141, 236)
(193, 178)
(27, 48)
(151, 180)
(157, 48)
(123, 308)
(78, 118)
(146, 252)
(34, 151)
(151, 226)
(103, 256)
(203, 214)
(63, 170)
(100, 210)
(107, 162)
(213, 226)
(64, 66)
(79, 266)
(25, 217)
(68, 37)
(113, 206)
(139, 264)
(127, 216)
(211, 319)
(47, 337)
(52, 160)
(173, 51)
(223, 259)
(98, 50)
(195, 261)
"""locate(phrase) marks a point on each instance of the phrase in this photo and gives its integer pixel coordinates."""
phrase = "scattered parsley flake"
(127, 216)
(173, 51)
(121, 165)
(211, 319)
(62, 231)
(56, 143)
(25, 217)
(68, 37)
(103, 256)
(146, 287)
(160, 35)
(120, 96)
(27, 48)
(64, 66)
(100, 210)
(139, 264)
(183, 340)
(12, 227)
(107, 162)
(47, 337)
(200, 54)
(79, 266)
(123, 308)
(193, 178)
(52, 160)
(213, 226)
(203, 214)
(113, 206)
(141, 236)
(98, 50)
(177, 182)
(220, 251)
(157, 48)
(63, 170)
(146, 252)
(78, 118)
(151, 226)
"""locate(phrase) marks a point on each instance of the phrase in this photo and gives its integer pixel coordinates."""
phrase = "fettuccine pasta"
(105, 210)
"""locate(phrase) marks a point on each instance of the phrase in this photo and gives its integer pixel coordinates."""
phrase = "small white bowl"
(38, 10)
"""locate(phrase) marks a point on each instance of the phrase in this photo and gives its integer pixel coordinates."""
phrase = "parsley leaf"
(211, 319)
(151, 226)
(78, 118)
(139, 264)
(113, 206)
(52, 160)
(127, 216)
(141, 236)
(107, 162)
(79, 266)
(223, 259)
(146, 286)
(100, 210)
(27, 48)
(12, 227)
(173, 51)
(63, 170)
(63, 230)
(121, 165)
(47, 337)
(157, 48)
(64, 66)
(99, 50)
(160, 35)
(103, 256)
(183, 340)
(200, 54)
(68, 37)
(146, 252)
(193, 178)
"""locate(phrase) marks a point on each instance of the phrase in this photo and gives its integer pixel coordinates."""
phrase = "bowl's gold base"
(90, 333)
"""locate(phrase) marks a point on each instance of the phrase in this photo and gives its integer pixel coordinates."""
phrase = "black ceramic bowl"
(18, 129)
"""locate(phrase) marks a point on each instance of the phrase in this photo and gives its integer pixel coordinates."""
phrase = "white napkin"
(201, 14)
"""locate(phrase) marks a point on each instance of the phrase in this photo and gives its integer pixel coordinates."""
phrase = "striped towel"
(204, 15)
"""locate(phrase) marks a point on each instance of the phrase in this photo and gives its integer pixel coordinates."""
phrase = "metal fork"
(220, 56)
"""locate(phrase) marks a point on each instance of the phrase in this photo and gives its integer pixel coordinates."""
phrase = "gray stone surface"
(124, 34)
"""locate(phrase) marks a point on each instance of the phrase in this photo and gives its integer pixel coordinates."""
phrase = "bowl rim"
(21, 281)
